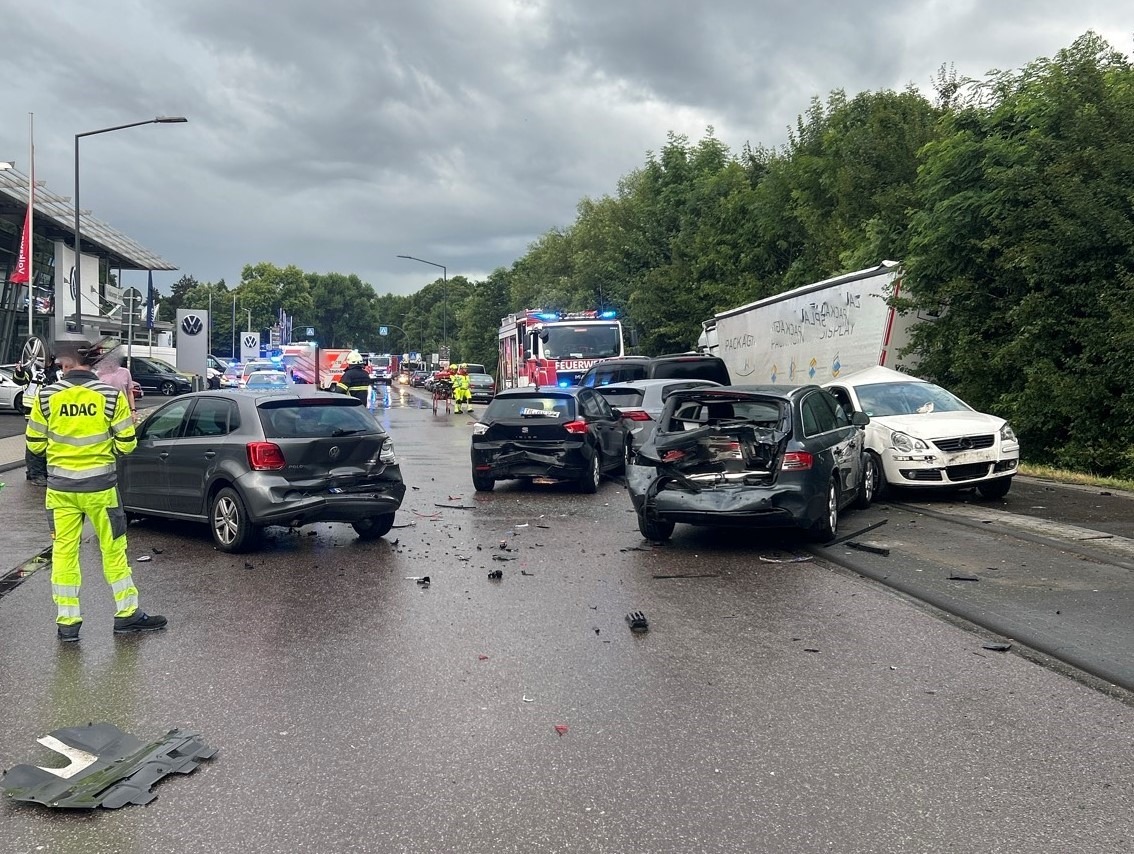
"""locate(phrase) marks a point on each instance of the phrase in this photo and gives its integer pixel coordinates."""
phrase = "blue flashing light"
(548, 315)
(609, 315)
(564, 383)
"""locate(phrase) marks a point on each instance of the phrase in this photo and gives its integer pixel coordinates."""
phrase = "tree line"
(1007, 199)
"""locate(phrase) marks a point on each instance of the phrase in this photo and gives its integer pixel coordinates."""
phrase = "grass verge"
(1075, 477)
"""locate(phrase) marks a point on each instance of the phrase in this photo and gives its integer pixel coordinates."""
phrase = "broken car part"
(108, 767)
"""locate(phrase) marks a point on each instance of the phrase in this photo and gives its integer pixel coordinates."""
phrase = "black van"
(675, 366)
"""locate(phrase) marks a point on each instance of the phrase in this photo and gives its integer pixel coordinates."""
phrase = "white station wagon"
(922, 436)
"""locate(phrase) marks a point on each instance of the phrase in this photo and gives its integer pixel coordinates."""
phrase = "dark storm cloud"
(338, 134)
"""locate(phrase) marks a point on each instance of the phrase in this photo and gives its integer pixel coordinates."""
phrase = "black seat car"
(560, 433)
(751, 456)
(675, 366)
(242, 460)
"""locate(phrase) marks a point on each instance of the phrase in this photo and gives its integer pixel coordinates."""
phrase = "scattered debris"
(792, 559)
(433, 516)
(496, 575)
(636, 549)
(503, 557)
(867, 547)
(456, 506)
(637, 621)
(524, 525)
(996, 646)
(1106, 493)
(108, 767)
(810, 649)
(143, 558)
(692, 575)
(455, 497)
(956, 576)
(423, 581)
(561, 729)
(528, 699)
(543, 526)
(482, 658)
(525, 572)
(857, 534)
(504, 545)
(406, 525)
(249, 565)
(156, 550)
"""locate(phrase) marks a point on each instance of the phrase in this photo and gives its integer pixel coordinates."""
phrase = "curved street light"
(444, 292)
(77, 277)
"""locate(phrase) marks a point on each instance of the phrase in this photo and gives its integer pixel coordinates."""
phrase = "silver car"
(641, 402)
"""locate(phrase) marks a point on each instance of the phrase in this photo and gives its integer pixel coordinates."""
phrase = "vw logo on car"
(191, 324)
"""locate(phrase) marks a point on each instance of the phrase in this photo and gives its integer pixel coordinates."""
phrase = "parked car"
(641, 403)
(750, 456)
(11, 392)
(266, 381)
(418, 378)
(155, 375)
(482, 387)
(231, 377)
(922, 436)
(675, 366)
(251, 367)
(240, 462)
(563, 433)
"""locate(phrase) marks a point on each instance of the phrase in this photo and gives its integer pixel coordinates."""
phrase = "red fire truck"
(543, 348)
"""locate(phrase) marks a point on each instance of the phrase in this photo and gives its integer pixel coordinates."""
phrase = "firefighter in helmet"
(462, 393)
(82, 426)
(355, 380)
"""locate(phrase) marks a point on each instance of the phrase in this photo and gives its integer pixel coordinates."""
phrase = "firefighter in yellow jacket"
(82, 426)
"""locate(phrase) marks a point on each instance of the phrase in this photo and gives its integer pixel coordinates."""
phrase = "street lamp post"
(444, 293)
(77, 277)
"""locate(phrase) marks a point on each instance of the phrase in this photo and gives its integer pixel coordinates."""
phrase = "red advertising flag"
(22, 272)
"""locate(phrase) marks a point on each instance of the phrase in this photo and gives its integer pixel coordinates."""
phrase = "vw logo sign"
(334, 452)
(191, 324)
(74, 286)
(251, 341)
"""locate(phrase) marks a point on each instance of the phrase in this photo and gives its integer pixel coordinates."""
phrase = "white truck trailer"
(816, 333)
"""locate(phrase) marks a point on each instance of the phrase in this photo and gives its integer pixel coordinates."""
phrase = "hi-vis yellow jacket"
(83, 426)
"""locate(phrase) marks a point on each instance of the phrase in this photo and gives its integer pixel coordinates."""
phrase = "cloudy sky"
(338, 134)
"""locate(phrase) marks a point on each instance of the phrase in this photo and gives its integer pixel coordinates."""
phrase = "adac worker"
(355, 380)
(82, 426)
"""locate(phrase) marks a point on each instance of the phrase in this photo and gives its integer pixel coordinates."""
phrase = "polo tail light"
(578, 427)
(265, 456)
(797, 461)
(636, 415)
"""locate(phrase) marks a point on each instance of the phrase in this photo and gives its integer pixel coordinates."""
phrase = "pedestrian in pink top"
(112, 371)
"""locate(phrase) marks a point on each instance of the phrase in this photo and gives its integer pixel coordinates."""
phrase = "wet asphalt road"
(771, 707)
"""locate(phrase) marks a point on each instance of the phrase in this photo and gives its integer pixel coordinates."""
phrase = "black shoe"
(39, 481)
(70, 633)
(139, 621)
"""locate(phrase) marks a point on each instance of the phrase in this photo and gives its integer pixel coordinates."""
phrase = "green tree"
(1026, 237)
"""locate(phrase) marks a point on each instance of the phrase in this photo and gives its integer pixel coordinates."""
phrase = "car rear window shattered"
(304, 421)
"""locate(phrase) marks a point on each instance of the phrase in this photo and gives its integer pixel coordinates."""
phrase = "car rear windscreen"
(624, 398)
(310, 419)
(692, 369)
(535, 406)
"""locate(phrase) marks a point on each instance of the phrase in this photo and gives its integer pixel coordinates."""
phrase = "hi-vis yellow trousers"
(67, 510)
